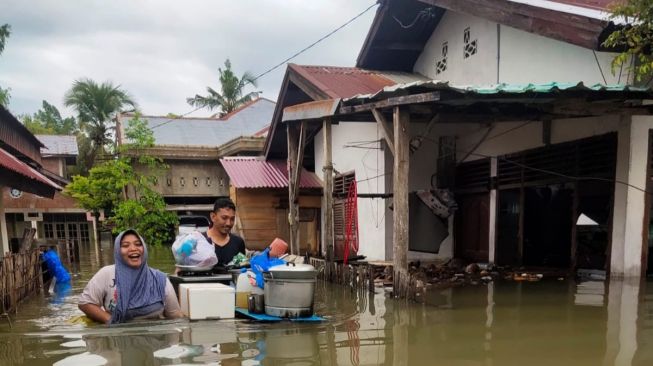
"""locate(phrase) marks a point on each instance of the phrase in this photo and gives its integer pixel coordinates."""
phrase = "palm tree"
(96, 106)
(5, 31)
(232, 92)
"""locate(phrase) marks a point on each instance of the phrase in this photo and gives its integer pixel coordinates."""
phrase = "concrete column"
(628, 235)
(492, 227)
(623, 311)
(4, 236)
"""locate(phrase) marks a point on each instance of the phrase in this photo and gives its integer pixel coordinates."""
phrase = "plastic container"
(243, 288)
(206, 300)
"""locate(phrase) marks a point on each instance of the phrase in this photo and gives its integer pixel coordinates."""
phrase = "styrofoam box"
(207, 300)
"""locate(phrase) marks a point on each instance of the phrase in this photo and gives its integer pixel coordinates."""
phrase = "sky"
(163, 51)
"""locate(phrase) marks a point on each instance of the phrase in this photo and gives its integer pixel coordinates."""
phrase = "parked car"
(190, 223)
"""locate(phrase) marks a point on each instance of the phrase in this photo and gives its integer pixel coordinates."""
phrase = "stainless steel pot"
(289, 297)
(291, 270)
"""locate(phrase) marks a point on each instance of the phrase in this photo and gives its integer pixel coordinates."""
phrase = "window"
(48, 230)
(470, 47)
(441, 66)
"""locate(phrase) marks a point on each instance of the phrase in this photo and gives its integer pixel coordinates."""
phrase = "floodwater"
(504, 323)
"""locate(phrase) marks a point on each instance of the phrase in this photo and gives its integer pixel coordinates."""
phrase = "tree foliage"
(96, 106)
(5, 31)
(126, 193)
(48, 121)
(231, 95)
(635, 38)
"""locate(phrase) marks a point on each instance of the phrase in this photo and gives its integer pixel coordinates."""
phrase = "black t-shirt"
(226, 253)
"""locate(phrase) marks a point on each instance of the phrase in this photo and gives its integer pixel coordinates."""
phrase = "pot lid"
(292, 267)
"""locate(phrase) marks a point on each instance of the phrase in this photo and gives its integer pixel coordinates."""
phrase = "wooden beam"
(386, 129)
(327, 197)
(400, 201)
(433, 96)
(398, 46)
(293, 205)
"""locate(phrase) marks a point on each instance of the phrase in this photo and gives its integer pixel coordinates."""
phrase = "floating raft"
(269, 318)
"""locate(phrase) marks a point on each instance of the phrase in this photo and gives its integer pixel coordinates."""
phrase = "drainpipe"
(498, 52)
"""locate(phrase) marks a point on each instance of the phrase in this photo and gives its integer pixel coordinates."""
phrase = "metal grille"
(591, 157)
(341, 184)
(473, 176)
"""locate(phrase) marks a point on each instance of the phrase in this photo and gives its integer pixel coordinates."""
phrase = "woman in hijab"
(129, 289)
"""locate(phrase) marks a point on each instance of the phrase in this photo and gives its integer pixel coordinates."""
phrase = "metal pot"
(289, 297)
(291, 270)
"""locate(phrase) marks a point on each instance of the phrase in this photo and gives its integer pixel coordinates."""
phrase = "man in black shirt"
(226, 244)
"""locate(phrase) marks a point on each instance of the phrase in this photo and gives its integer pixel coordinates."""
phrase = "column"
(629, 234)
(492, 226)
(4, 236)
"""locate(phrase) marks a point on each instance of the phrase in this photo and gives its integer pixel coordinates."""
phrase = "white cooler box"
(207, 300)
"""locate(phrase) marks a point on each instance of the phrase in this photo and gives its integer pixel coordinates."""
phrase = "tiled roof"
(58, 145)
(255, 172)
(345, 82)
(209, 131)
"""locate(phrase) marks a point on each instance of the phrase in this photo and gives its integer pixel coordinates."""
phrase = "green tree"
(5, 31)
(123, 188)
(635, 38)
(231, 95)
(96, 106)
(48, 121)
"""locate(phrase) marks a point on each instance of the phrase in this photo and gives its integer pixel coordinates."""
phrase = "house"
(260, 190)
(20, 168)
(58, 217)
(192, 147)
(512, 121)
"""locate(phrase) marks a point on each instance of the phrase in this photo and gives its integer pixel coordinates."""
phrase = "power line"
(285, 60)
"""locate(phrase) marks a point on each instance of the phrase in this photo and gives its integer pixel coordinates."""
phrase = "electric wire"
(285, 60)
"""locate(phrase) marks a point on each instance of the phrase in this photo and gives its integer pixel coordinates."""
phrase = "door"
(472, 227)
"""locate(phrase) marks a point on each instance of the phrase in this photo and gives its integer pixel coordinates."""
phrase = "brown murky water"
(505, 323)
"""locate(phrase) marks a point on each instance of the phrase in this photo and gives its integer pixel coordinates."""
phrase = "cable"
(284, 61)
(423, 14)
(600, 68)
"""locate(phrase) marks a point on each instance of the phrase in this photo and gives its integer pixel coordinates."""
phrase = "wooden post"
(400, 200)
(296, 142)
(327, 195)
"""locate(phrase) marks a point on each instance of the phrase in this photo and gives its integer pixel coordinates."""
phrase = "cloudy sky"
(163, 51)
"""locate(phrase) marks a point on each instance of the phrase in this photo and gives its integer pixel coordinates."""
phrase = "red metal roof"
(343, 82)
(254, 172)
(26, 178)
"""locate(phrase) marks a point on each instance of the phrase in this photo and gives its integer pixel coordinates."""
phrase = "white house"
(520, 185)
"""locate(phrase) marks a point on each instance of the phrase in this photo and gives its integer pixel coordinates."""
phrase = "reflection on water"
(503, 323)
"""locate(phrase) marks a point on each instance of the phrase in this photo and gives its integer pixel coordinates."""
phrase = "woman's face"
(131, 250)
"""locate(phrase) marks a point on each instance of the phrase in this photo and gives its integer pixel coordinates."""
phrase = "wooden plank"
(400, 199)
(327, 195)
(386, 129)
(392, 102)
(293, 216)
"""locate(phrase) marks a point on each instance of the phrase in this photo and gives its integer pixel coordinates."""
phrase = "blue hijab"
(140, 290)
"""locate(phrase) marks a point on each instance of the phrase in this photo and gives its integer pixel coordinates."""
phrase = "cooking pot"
(292, 270)
(289, 290)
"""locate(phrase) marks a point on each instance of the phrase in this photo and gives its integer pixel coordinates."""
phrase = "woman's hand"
(96, 313)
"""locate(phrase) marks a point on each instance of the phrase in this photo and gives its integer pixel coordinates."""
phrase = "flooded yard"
(501, 323)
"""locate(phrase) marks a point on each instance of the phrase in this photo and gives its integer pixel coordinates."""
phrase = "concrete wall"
(509, 55)
(354, 148)
(193, 178)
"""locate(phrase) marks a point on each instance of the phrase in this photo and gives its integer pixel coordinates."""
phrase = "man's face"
(223, 220)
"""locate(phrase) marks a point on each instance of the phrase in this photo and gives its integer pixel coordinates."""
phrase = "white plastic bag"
(194, 250)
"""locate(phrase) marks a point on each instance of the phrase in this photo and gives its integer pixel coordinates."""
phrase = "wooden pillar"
(327, 195)
(296, 142)
(4, 235)
(401, 119)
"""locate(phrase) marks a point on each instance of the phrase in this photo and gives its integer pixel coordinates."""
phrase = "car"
(190, 223)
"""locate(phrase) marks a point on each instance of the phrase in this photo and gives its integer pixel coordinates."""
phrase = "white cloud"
(163, 51)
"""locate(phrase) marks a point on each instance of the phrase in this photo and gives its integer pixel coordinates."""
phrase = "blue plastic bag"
(261, 263)
(52, 261)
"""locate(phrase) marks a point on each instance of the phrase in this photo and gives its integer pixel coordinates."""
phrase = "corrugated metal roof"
(58, 145)
(591, 4)
(255, 172)
(210, 131)
(345, 82)
(596, 9)
(498, 89)
(310, 110)
(14, 165)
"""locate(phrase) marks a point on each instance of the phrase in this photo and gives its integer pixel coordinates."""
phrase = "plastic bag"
(261, 263)
(194, 250)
